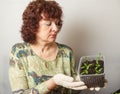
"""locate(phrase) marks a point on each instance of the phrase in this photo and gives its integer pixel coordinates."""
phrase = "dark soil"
(92, 68)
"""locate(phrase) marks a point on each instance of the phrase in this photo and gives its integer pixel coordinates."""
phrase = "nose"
(55, 28)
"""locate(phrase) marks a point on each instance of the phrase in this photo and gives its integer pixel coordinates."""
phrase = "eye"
(48, 23)
(59, 23)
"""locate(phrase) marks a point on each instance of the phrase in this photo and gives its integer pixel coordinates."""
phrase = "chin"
(51, 41)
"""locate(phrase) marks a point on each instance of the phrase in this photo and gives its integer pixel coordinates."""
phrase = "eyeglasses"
(49, 23)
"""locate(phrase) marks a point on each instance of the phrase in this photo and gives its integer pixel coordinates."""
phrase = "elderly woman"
(40, 65)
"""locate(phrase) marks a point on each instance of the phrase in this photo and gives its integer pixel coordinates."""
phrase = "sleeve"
(74, 73)
(73, 63)
(18, 79)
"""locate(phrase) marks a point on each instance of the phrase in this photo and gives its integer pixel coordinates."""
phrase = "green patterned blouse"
(28, 72)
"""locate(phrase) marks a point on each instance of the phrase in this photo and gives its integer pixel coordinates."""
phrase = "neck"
(47, 51)
(43, 47)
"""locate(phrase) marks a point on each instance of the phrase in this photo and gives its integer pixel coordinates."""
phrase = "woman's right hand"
(68, 82)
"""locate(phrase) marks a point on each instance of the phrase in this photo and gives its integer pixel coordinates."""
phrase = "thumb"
(78, 78)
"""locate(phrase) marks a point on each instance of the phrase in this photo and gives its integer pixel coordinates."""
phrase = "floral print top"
(28, 72)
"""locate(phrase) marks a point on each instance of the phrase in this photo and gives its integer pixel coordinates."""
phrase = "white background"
(90, 27)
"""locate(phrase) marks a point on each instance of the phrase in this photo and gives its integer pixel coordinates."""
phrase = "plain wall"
(90, 27)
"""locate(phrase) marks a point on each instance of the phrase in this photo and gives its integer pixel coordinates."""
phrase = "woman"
(40, 65)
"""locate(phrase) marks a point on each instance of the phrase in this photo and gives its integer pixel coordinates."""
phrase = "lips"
(53, 35)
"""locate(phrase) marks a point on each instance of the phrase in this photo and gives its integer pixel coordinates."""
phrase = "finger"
(97, 88)
(79, 88)
(105, 83)
(92, 88)
(78, 78)
(74, 84)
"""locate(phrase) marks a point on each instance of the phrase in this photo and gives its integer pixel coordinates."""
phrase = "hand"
(68, 82)
(98, 88)
(92, 88)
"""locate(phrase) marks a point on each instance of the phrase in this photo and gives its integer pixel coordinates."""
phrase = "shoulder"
(19, 49)
(18, 46)
(64, 47)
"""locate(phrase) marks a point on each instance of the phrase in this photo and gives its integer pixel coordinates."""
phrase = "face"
(48, 30)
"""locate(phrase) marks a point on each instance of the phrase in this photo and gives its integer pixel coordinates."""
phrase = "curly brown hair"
(32, 15)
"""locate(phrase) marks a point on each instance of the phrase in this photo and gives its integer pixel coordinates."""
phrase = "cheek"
(44, 29)
(43, 34)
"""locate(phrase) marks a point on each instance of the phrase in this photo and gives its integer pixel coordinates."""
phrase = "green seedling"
(98, 68)
(85, 67)
(116, 92)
